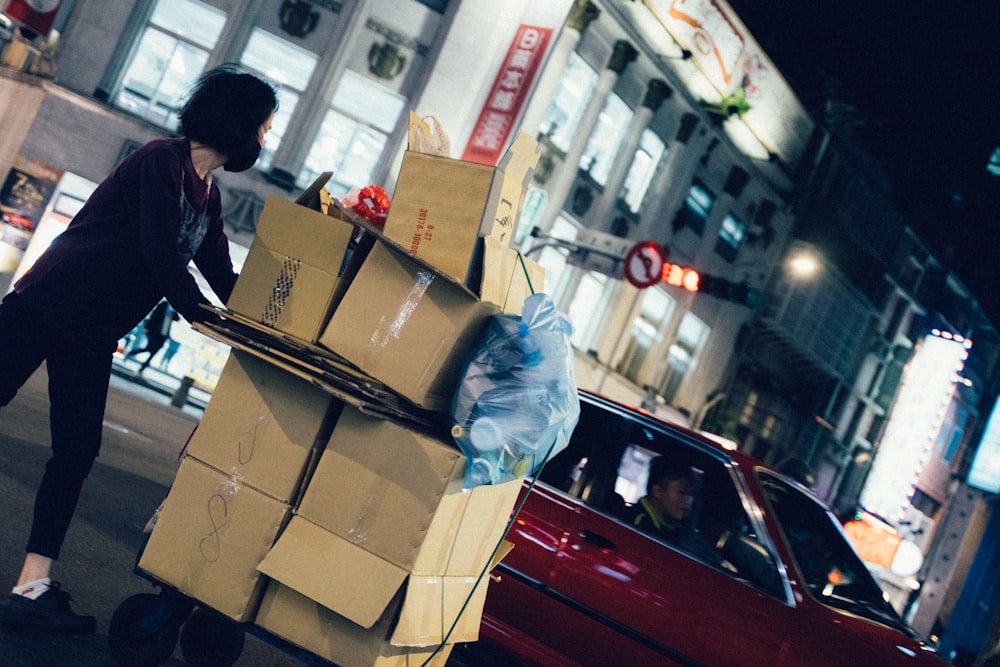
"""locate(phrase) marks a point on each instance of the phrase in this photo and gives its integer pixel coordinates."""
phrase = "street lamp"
(802, 263)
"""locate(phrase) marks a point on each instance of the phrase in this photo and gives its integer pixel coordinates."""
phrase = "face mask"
(243, 157)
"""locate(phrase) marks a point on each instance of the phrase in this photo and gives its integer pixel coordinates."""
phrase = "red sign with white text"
(506, 99)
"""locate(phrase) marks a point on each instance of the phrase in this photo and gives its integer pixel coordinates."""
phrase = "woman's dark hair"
(226, 107)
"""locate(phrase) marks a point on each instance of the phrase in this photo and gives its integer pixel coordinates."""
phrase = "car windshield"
(832, 571)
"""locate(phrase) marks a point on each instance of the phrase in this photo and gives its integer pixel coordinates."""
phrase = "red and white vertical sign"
(503, 105)
(38, 15)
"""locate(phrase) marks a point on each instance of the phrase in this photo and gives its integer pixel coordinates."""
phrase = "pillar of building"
(561, 183)
(581, 16)
(603, 212)
(670, 183)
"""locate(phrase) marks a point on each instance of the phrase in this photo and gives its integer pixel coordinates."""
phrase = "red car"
(582, 586)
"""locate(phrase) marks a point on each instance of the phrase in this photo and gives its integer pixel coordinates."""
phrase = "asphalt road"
(143, 436)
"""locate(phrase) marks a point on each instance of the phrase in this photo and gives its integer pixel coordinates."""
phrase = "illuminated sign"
(681, 276)
(985, 471)
(736, 68)
(920, 408)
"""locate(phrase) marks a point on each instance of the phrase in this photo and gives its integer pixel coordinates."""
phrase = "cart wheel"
(143, 631)
(209, 639)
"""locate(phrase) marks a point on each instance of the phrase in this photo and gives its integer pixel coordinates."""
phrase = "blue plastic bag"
(517, 404)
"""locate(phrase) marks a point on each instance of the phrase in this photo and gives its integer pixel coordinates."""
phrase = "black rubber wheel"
(143, 631)
(209, 639)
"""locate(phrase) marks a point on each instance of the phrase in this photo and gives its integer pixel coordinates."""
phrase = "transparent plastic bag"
(517, 404)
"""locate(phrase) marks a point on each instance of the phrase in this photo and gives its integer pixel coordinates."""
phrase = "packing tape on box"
(388, 331)
(218, 507)
(282, 288)
(368, 511)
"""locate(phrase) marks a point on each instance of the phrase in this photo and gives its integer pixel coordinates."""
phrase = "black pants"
(78, 390)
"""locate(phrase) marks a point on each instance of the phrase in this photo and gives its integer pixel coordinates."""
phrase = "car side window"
(607, 463)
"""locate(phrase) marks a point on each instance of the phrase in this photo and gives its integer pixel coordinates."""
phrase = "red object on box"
(37, 15)
(373, 205)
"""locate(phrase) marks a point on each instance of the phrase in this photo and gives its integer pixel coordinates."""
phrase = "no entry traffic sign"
(644, 263)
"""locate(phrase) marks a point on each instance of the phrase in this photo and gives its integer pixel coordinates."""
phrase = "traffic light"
(740, 293)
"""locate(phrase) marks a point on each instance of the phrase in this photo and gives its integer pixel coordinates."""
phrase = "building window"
(569, 103)
(731, 237)
(589, 293)
(290, 68)
(655, 311)
(606, 138)
(172, 52)
(354, 132)
(695, 210)
(640, 174)
(683, 355)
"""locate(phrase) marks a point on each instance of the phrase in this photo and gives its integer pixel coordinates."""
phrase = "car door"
(631, 598)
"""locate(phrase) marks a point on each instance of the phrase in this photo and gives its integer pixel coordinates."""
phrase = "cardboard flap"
(518, 165)
(310, 196)
(333, 572)
(466, 536)
(444, 609)
(508, 278)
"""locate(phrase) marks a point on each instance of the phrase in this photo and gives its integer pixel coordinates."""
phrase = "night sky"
(925, 77)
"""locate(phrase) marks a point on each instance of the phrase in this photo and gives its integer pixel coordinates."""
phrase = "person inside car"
(664, 511)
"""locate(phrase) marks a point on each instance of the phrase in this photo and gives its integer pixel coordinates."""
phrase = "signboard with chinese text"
(505, 101)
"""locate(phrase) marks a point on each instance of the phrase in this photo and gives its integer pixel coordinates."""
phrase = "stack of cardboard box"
(322, 522)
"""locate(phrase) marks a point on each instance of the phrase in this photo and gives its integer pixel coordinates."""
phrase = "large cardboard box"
(384, 503)
(378, 485)
(372, 594)
(440, 206)
(406, 325)
(303, 622)
(292, 269)
(209, 538)
(264, 426)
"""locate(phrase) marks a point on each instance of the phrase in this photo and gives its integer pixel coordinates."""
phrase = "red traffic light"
(681, 276)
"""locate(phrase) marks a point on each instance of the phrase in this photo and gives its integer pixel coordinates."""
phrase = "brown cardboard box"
(407, 326)
(379, 484)
(264, 426)
(292, 269)
(320, 631)
(383, 503)
(210, 535)
(397, 493)
(441, 206)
